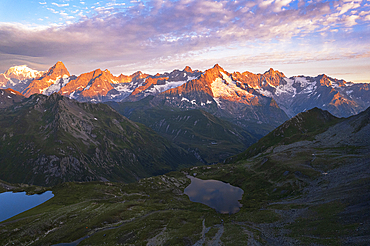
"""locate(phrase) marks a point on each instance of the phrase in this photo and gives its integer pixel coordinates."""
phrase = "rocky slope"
(209, 137)
(48, 140)
(303, 126)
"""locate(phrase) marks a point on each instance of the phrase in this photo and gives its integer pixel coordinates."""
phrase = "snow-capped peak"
(22, 72)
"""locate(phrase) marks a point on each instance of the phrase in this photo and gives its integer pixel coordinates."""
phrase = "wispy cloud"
(173, 32)
(61, 5)
(53, 11)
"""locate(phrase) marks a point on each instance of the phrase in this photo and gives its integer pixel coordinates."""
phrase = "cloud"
(351, 20)
(116, 4)
(159, 32)
(348, 6)
(53, 10)
(66, 16)
(42, 3)
(60, 5)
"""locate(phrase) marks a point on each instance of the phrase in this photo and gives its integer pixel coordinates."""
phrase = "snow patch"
(191, 78)
(218, 102)
(226, 87)
(57, 85)
(168, 85)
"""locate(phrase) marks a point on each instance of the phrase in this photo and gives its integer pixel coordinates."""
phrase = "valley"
(118, 153)
(311, 188)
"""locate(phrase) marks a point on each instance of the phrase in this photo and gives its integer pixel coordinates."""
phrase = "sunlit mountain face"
(223, 93)
(297, 37)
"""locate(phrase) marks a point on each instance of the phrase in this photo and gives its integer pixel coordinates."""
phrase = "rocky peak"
(216, 72)
(273, 73)
(324, 80)
(217, 67)
(188, 69)
(273, 77)
(138, 75)
(58, 70)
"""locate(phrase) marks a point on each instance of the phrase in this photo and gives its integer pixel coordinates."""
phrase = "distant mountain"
(244, 97)
(299, 93)
(51, 81)
(18, 77)
(210, 138)
(48, 140)
(217, 92)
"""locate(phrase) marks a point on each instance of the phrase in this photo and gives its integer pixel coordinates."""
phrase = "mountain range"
(204, 117)
(213, 90)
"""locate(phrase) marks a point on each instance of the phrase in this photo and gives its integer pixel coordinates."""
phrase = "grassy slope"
(304, 126)
(213, 138)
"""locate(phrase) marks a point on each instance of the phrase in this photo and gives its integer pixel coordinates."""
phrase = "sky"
(124, 36)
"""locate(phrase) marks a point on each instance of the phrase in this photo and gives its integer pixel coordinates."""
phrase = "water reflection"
(223, 197)
(12, 204)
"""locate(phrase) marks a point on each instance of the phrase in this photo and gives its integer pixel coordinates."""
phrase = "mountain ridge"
(51, 139)
(293, 95)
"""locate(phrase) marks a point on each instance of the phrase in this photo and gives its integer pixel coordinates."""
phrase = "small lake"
(12, 204)
(223, 197)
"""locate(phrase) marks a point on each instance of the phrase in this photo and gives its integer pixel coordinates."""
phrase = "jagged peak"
(215, 69)
(218, 67)
(137, 73)
(188, 69)
(324, 80)
(58, 69)
(273, 73)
